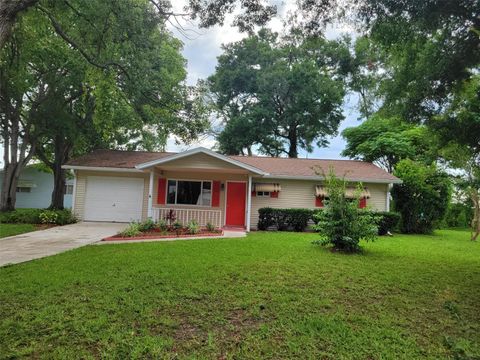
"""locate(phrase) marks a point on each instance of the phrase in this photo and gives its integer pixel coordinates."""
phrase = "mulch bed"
(169, 235)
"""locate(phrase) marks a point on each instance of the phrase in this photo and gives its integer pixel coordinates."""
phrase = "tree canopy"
(286, 93)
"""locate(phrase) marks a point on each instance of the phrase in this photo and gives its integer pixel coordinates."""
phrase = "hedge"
(38, 216)
(297, 219)
(284, 219)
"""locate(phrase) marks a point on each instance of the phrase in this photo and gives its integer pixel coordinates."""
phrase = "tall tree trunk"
(9, 10)
(476, 214)
(293, 140)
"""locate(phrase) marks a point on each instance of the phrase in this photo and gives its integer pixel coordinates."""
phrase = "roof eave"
(319, 177)
(101, 168)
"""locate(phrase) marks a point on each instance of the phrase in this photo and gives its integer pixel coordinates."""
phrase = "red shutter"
(162, 191)
(254, 193)
(274, 194)
(363, 203)
(216, 194)
(318, 201)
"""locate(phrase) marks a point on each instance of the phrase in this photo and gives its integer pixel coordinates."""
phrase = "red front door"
(236, 194)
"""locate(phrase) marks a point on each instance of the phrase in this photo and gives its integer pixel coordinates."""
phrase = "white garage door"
(113, 199)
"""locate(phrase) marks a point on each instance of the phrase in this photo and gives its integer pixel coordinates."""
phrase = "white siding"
(301, 194)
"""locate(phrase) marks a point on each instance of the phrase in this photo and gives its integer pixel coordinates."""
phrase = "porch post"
(387, 202)
(249, 201)
(150, 194)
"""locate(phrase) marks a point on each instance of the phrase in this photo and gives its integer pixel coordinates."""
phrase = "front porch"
(202, 186)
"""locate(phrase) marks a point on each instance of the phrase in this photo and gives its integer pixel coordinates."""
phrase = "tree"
(286, 91)
(458, 130)
(132, 95)
(422, 198)
(341, 223)
(251, 13)
(388, 140)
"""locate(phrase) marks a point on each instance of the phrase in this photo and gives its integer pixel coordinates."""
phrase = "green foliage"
(38, 216)
(458, 215)
(387, 221)
(48, 217)
(162, 225)
(177, 226)
(193, 227)
(132, 230)
(210, 227)
(422, 199)
(147, 225)
(279, 94)
(341, 223)
(284, 219)
(386, 141)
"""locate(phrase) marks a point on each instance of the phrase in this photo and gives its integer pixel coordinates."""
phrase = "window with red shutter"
(363, 203)
(319, 201)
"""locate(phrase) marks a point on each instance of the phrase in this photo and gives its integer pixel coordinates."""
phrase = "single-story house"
(35, 186)
(200, 184)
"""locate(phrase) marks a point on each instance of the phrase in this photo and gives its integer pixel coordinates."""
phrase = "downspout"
(150, 195)
(387, 200)
(74, 192)
(249, 201)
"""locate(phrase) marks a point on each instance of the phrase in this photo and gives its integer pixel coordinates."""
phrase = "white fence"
(185, 215)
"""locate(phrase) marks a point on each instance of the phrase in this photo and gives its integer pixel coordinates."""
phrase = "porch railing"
(202, 216)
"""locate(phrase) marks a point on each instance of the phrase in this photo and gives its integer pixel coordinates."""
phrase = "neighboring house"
(34, 189)
(203, 185)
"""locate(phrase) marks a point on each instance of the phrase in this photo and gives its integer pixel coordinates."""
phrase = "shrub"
(387, 221)
(458, 215)
(210, 227)
(48, 217)
(422, 199)
(162, 225)
(171, 217)
(147, 225)
(284, 219)
(177, 226)
(341, 223)
(132, 230)
(193, 227)
(34, 216)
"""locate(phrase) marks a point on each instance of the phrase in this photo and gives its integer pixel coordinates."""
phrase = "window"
(68, 189)
(263, 193)
(186, 192)
(23, 189)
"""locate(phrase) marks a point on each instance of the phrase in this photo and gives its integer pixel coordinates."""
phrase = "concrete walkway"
(226, 234)
(38, 244)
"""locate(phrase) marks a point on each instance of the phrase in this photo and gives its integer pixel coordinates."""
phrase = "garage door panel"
(113, 199)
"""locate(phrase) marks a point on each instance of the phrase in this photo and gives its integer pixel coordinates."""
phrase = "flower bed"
(156, 234)
(163, 230)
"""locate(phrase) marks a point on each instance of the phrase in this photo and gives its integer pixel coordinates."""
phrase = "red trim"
(319, 201)
(216, 194)
(363, 203)
(274, 194)
(162, 191)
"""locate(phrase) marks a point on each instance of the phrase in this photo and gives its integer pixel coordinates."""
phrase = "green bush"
(210, 227)
(422, 199)
(48, 217)
(132, 230)
(193, 227)
(284, 219)
(147, 225)
(162, 225)
(458, 215)
(38, 216)
(341, 223)
(387, 220)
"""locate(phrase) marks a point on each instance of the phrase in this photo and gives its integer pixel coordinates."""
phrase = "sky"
(203, 46)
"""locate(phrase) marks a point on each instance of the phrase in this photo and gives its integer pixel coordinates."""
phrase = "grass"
(15, 229)
(271, 295)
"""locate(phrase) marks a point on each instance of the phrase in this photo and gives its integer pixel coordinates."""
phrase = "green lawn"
(271, 295)
(15, 229)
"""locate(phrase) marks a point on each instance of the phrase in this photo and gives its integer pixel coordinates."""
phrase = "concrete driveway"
(38, 244)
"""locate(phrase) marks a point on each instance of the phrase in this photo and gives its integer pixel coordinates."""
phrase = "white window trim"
(201, 192)
(264, 193)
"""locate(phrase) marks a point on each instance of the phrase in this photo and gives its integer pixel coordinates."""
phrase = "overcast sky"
(203, 46)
